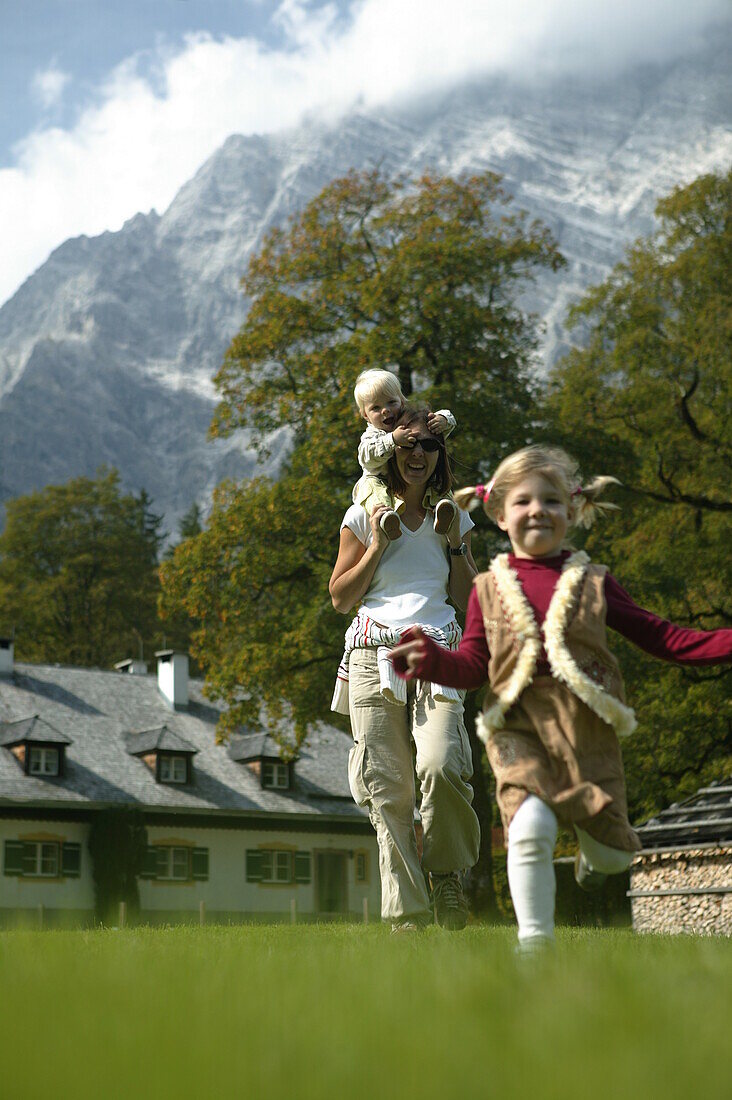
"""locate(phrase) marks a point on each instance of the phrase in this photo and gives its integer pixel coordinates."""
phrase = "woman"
(399, 584)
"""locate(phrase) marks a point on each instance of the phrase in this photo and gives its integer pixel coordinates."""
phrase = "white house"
(233, 832)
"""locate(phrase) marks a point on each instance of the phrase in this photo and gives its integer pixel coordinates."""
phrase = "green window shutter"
(199, 863)
(71, 860)
(150, 863)
(13, 861)
(302, 866)
(30, 849)
(254, 865)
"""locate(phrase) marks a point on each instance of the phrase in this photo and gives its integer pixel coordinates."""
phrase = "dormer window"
(43, 761)
(38, 746)
(275, 775)
(168, 756)
(173, 769)
(261, 755)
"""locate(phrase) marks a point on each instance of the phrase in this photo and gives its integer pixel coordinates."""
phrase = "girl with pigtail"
(555, 713)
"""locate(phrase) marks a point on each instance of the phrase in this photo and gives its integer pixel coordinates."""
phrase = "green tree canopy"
(648, 397)
(78, 572)
(423, 279)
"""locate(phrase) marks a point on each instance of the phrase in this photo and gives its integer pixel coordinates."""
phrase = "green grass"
(347, 1012)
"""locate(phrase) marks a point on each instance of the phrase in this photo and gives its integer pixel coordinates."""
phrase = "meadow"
(350, 1012)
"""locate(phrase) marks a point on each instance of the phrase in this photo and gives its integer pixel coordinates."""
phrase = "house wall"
(226, 894)
(686, 890)
(65, 901)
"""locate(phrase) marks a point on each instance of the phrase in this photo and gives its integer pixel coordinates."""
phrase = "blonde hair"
(372, 382)
(557, 467)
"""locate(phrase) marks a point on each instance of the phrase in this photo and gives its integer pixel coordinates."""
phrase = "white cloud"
(48, 85)
(143, 137)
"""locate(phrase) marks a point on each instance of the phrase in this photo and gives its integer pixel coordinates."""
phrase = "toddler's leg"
(596, 861)
(531, 839)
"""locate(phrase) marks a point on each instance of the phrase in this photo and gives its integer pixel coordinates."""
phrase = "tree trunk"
(479, 880)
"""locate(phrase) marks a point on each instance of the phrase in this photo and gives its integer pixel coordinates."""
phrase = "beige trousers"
(390, 743)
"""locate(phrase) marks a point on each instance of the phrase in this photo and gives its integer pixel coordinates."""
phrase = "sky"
(108, 106)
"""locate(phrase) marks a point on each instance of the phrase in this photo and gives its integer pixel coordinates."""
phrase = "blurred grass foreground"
(350, 1012)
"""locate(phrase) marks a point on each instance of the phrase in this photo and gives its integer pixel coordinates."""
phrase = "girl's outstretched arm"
(419, 658)
(662, 638)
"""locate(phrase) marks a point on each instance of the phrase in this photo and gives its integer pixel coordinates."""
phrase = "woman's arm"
(462, 567)
(356, 564)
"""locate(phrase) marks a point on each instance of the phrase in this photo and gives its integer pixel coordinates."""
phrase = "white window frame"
(277, 866)
(275, 775)
(174, 853)
(44, 849)
(47, 760)
(170, 769)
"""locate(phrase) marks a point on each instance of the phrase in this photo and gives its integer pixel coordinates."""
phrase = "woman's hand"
(409, 655)
(379, 536)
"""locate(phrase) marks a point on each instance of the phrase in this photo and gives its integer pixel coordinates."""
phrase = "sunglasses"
(428, 445)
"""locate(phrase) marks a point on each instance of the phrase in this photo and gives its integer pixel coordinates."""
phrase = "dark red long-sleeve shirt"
(467, 666)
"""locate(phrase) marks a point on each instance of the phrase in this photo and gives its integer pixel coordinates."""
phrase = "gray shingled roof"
(96, 712)
(250, 746)
(160, 738)
(704, 818)
(32, 728)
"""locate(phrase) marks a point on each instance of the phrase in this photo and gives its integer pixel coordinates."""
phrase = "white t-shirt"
(410, 582)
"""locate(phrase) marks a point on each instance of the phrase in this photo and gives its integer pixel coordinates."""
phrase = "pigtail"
(587, 506)
(472, 495)
(467, 498)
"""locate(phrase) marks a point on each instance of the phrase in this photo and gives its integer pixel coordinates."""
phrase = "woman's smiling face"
(415, 465)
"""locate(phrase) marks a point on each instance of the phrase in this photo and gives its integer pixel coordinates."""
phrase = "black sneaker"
(585, 877)
(448, 900)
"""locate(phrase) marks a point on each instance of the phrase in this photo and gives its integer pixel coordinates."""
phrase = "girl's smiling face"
(535, 515)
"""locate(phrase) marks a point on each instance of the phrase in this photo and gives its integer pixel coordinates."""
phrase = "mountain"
(108, 350)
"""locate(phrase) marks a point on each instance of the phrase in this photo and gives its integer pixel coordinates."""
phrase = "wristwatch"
(458, 551)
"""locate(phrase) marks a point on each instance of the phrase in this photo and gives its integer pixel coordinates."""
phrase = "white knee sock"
(531, 839)
(608, 861)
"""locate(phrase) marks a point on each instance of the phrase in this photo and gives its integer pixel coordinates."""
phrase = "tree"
(78, 571)
(647, 397)
(423, 278)
(117, 845)
(190, 524)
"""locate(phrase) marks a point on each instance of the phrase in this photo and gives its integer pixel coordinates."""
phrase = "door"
(331, 883)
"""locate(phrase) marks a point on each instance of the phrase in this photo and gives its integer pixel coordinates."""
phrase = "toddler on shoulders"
(380, 402)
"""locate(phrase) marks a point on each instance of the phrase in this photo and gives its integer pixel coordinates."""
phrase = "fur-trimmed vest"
(574, 639)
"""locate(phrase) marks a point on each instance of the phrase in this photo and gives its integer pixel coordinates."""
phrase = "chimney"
(7, 661)
(132, 667)
(173, 677)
